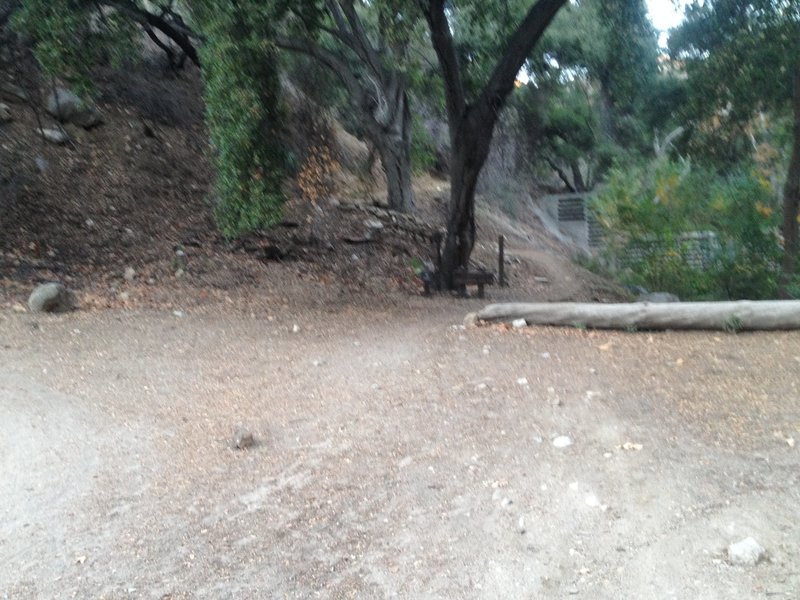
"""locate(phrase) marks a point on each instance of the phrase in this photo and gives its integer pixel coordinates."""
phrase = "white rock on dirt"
(50, 297)
(562, 441)
(54, 136)
(747, 552)
(519, 323)
(130, 274)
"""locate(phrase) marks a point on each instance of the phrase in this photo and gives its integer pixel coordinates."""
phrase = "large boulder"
(50, 297)
(69, 108)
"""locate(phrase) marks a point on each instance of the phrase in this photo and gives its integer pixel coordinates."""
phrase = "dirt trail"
(397, 456)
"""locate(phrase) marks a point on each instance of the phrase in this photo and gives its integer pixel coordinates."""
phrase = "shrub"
(695, 233)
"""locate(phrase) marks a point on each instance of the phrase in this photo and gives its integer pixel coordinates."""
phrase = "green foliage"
(72, 36)
(423, 149)
(243, 113)
(657, 219)
(740, 56)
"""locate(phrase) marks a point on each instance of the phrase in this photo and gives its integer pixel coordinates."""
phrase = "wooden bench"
(461, 279)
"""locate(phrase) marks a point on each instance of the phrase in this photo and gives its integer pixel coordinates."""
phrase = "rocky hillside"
(120, 211)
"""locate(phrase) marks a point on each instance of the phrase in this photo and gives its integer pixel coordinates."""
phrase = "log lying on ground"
(744, 315)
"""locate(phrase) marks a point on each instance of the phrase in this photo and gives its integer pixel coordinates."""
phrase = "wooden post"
(501, 259)
(437, 240)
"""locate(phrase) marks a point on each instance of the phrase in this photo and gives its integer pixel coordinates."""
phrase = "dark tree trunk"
(607, 126)
(469, 151)
(376, 91)
(791, 194)
(389, 127)
(472, 124)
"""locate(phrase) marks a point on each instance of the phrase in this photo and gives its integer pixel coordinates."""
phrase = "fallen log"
(743, 315)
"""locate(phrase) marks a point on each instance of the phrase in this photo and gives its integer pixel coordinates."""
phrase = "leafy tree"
(612, 44)
(366, 47)
(589, 100)
(743, 56)
(476, 87)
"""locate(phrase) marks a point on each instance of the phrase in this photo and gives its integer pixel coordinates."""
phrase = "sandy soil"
(398, 455)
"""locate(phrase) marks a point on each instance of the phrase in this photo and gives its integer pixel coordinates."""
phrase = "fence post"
(501, 259)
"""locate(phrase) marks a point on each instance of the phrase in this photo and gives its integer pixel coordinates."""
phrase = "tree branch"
(365, 49)
(144, 17)
(520, 46)
(331, 60)
(445, 49)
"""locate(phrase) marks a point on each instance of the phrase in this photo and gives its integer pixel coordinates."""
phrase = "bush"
(692, 232)
(243, 114)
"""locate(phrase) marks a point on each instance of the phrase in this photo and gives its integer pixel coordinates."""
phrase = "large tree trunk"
(390, 129)
(470, 148)
(791, 194)
(472, 124)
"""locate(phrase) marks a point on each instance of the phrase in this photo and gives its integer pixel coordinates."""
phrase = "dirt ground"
(398, 455)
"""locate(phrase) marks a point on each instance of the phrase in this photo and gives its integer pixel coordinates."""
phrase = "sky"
(664, 14)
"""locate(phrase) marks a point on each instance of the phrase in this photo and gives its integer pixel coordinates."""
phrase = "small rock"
(68, 107)
(180, 273)
(5, 113)
(179, 313)
(471, 320)
(545, 355)
(89, 223)
(295, 328)
(747, 552)
(124, 296)
(243, 438)
(130, 274)
(573, 591)
(522, 381)
(592, 501)
(373, 224)
(519, 323)
(54, 136)
(562, 441)
(541, 280)
(50, 297)
(659, 297)
(41, 164)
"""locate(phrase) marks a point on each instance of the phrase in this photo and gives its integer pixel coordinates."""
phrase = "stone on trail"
(5, 113)
(747, 552)
(130, 274)
(562, 441)
(519, 323)
(243, 438)
(49, 297)
(54, 136)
